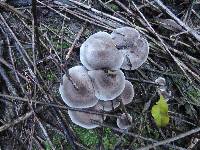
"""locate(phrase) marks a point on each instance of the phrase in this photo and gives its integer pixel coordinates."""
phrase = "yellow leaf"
(160, 112)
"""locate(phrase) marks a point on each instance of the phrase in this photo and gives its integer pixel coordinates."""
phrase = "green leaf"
(160, 112)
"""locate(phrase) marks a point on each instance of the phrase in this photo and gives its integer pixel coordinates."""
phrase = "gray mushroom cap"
(86, 119)
(77, 89)
(161, 81)
(161, 84)
(124, 36)
(108, 105)
(107, 85)
(123, 122)
(99, 52)
(134, 48)
(162, 88)
(128, 93)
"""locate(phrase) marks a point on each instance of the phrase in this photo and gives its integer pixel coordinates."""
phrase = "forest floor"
(38, 43)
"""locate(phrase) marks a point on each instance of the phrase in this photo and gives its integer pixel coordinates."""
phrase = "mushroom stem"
(112, 105)
(125, 111)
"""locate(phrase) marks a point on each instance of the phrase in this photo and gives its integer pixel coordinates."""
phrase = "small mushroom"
(108, 105)
(162, 88)
(99, 52)
(107, 85)
(77, 89)
(134, 48)
(161, 84)
(128, 93)
(86, 119)
(160, 81)
(123, 122)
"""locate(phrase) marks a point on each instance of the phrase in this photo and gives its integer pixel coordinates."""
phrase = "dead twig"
(180, 136)
(75, 41)
(67, 18)
(181, 23)
(16, 121)
(14, 10)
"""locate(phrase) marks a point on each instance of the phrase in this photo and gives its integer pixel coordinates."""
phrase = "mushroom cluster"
(100, 85)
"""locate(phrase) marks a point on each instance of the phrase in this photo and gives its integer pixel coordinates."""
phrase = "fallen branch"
(75, 41)
(181, 23)
(180, 136)
(16, 121)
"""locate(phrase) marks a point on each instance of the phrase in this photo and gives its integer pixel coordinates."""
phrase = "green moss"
(191, 93)
(58, 142)
(50, 76)
(88, 137)
(47, 145)
(136, 145)
(64, 45)
(113, 7)
(194, 95)
(60, 45)
(109, 139)
(154, 133)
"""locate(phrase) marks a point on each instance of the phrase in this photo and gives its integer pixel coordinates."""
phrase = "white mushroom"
(86, 119)
(108, 105)
(128, 93)
(107, 85)
(162, 88)
(134, 48)
(160, 81)
(77, 89)
(99, 52)
(123, 122)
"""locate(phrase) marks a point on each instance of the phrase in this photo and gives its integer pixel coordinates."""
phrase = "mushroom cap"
(84, 119)
(108, 105)
(124, 36)
(162, 88)
(107, 85)
(99, 52)
(134, 48)
(128, 93)
(77, 90)
(123, 122)
(161, 84)
(161, 81)
(136, 56)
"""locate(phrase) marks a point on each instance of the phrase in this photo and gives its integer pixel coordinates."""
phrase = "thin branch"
(53, 10)
(16, 121)
(181, 23)
(75, 41)
(167, 141)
